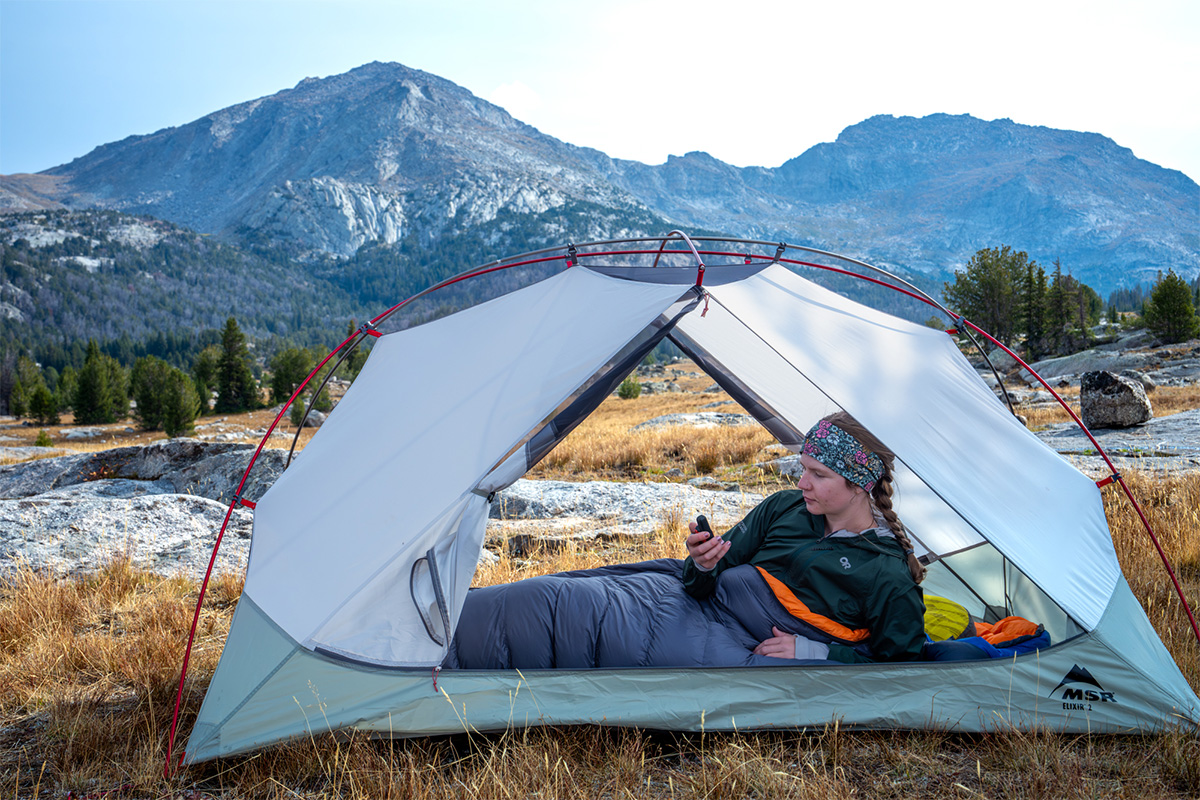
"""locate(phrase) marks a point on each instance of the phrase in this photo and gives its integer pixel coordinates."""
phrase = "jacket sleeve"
(896, 619)
(746, 538)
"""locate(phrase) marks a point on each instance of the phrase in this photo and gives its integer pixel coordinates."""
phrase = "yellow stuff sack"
(945, 619)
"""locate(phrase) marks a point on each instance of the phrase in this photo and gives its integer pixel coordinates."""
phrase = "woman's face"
(826, 492)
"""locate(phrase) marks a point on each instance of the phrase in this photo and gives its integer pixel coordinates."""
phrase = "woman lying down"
(822, 572)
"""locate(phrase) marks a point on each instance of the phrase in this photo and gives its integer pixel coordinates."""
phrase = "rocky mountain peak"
(384, 151)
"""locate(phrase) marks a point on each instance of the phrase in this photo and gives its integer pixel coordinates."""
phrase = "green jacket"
(859, 581)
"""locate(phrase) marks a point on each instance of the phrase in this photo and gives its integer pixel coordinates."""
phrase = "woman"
(833, 550)
(821, 568)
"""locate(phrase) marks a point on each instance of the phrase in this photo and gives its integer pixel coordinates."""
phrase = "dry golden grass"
(605, 446)
(89, 669)
(126, 434)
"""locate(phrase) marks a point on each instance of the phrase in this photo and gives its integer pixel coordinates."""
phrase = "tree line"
(1011, 297)
(223, 378)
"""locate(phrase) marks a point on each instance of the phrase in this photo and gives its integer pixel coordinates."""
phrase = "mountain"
(68, 276)
(387, 156)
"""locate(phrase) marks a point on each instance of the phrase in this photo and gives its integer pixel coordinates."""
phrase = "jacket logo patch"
(1077, 699)
(845, 562)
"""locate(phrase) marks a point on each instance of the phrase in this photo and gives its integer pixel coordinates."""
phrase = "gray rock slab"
(189, 466)
(788, 466)
(1163, 444)
(81, 527)
(699, 419)
(628, 507)
(1030, 397)
(81, 433)
(1093, 360)
(658, 387)
(20, 453)
(1178, 373)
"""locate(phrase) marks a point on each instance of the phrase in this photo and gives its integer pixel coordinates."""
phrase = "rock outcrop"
(160, 506)
(173, 466)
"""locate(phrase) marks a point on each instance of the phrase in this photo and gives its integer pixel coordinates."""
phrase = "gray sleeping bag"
(627, 615)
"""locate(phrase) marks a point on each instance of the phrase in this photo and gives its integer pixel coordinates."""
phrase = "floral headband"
(843, 454)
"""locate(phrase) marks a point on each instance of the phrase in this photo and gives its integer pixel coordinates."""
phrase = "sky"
(751, 83)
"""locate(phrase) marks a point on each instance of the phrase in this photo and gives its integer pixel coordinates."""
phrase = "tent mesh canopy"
(364, 548)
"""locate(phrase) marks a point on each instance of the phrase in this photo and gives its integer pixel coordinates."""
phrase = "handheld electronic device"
(702, 525)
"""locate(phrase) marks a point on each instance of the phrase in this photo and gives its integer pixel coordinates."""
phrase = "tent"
(365, 546)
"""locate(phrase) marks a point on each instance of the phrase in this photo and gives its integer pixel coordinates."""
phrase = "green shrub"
(630, 388)
(43, 440)
(296, 412)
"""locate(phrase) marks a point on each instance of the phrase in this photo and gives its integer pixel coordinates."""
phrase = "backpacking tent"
(365, 546)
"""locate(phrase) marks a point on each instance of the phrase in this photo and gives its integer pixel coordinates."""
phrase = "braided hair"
(881, 493)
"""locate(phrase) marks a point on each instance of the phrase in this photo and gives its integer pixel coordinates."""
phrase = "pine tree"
(67, 383)
(180, 404)
(236, 387)
(166, 397)
(356, 359)
(1170, 312)
(43, 406)
(289, 368)
(16, 400)
(1058, 311)
(1033, 311)
(28, 380)
(100, 393)
(204, 375)
(987, 291)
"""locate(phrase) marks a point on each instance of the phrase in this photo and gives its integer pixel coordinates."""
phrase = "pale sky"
(752, 83)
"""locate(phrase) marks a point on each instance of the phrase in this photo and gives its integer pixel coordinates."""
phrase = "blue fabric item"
(973, 648)
(627, 615)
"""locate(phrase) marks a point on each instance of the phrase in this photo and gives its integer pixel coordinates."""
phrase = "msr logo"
(1076, 699)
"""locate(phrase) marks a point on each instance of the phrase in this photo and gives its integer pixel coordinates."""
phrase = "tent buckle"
(436, 670)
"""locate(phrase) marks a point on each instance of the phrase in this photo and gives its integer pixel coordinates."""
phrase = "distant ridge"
(383, 154)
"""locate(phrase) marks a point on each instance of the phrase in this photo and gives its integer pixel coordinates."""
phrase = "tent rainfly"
(364, 548)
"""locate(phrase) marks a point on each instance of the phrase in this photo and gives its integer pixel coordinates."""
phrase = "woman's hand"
(705, 549)
(781, 645)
